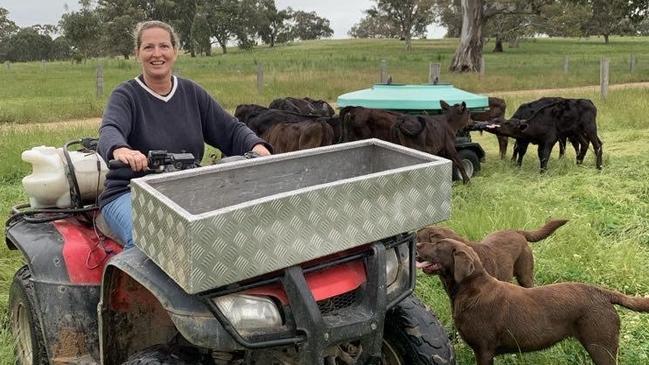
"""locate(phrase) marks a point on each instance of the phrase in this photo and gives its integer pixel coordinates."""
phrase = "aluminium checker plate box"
(220, 224)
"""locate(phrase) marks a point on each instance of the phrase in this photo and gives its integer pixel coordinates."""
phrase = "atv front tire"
(25, 325)
(413, 336)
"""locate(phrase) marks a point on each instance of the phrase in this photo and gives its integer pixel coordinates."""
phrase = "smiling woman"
(156, 49)
(159, 111)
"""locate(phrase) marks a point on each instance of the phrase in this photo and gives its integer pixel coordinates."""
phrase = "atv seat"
(102, 226)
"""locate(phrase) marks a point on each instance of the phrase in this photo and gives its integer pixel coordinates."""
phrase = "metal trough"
(220, 224)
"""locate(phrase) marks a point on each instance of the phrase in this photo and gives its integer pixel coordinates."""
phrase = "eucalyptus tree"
(201, 32)
(7, 29)
(608, 18)
(638, 10)
(411, 17)
(222, 17)
(248, 19)
(563, 18)
(448, 13)
(475, 14)
(118, 18)
(82, 29)
(27, 44)
(7, 26)
(272, 24)
(308, 25)
(374, 26)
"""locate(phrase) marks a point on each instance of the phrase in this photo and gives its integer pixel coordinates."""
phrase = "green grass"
(606, 241)
(33, 92)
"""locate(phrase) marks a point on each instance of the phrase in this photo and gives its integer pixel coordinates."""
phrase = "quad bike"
(80, 299)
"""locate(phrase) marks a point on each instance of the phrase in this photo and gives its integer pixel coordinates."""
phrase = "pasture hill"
(606, 241)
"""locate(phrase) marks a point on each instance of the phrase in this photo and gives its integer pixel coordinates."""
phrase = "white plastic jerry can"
(48, 187)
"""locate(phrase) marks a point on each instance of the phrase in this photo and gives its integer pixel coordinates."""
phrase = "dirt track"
(633, 85)
(533, 93)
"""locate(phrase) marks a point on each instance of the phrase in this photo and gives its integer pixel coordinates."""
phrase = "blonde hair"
(142, 26)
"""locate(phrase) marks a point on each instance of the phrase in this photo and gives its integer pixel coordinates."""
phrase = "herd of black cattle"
(291, 124)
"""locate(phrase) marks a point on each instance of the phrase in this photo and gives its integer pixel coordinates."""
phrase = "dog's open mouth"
(429, 267)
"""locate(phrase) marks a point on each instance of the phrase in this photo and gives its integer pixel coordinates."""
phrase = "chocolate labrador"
(504, 254)
(495, 317)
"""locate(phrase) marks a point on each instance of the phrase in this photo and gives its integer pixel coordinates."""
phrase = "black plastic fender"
(190, 316)
(67, 312)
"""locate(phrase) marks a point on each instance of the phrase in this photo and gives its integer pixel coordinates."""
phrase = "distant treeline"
(105, 28)
(505, 20)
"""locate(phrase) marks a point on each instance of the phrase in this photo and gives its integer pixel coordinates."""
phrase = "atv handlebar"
(161, 160)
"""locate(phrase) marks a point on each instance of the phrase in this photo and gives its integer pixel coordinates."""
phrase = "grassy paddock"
(323, 69)
(606, 241)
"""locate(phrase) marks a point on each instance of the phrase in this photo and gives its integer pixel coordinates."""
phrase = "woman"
(158, 110)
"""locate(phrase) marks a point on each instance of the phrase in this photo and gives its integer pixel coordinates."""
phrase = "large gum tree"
(475, 14)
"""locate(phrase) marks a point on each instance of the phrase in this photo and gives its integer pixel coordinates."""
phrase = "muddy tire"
(471, 163)
(25, 325)
(414, 336)
(166, 355)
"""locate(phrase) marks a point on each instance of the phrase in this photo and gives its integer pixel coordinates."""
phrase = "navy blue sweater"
(182, 121)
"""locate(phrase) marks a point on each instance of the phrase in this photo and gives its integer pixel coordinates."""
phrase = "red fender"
(85, 251)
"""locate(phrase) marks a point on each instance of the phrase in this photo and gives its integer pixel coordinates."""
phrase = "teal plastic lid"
(411, 97)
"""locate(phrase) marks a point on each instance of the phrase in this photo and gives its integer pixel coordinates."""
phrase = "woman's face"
(156, 53)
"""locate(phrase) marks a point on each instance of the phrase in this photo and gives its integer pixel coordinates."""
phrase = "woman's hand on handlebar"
(261, 150)
(135, 159)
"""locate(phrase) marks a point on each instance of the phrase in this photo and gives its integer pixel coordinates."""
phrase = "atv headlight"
(391, 266)
(249, 312)
(397, 265)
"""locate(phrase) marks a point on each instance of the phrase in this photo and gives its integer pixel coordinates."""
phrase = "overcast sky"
(341, 13)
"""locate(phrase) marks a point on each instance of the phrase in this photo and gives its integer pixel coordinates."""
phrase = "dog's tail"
(638, 304)
(543, 232)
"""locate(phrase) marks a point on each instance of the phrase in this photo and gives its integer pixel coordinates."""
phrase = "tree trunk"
(514, 43)
(223, 43)
(125, 55)
(468, 53)
(408, 43)
(499, 45)
(606, 38)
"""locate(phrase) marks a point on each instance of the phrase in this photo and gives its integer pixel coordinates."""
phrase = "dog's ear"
(423, 235)
(463, 265)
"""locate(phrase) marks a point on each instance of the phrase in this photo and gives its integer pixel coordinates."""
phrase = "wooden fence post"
(383, 73)
(566, 64)
(632, 62)
(482, 67)
(260, 78)
(100, 81)
(603, 77)
(434, 70)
